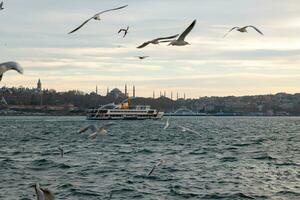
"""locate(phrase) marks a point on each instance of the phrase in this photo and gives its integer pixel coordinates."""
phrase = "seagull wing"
(192, 131)
(107, 125)
(187, 31)
(144, 44)
(230, 31)
(255, 29)
(48, 194)
(79, 27)
(121, 30)
(91, 126)
(152, 170)
(167, 125)
(93, 135)
(169, 37)
(100, 13)
(13, 65)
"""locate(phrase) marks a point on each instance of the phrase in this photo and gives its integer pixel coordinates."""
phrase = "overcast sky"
(34, 33)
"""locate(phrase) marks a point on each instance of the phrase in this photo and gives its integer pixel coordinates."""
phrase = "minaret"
(184, 96)
(97, 89)
(39, 85)
(177, 96)
(126, 93)
(153, 95)
(133, 91)
(107, 92)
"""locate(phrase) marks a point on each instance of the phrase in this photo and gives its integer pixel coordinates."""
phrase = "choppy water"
(233, 158)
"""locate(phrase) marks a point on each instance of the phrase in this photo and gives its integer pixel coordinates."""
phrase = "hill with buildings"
(48, 101)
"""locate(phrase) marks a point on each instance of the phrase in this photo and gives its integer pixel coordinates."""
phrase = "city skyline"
(241, 64)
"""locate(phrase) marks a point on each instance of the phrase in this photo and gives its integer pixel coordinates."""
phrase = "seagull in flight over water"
(160, 162)
(124, 30)
(96, 17)
(156, 41)
(96, 131)
(167, 125)
(10, 66)
(43, 194)
(243, 30)
(1, 5)
(180, 41)
(184, 129)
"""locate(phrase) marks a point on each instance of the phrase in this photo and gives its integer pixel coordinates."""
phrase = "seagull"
(1, 5)
(184, 129)
(125, 31)
(96, 131)
(167, 125)
(43, 194)
(9, 66)
(96, 17)
(142, 57)
(61, 151)
(160, 162)
(156, 41)
(243, 30)
(180, 40)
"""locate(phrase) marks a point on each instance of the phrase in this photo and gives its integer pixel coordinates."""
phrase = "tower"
(153, 95)
(97, 89)
(177, 96)
(133, 91)
(39, 85)
(165, 94)
(126, 94)
(184, 96)
(107, 91)
(171, 95)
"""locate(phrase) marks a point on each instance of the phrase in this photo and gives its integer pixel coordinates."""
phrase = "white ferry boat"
(123, 111)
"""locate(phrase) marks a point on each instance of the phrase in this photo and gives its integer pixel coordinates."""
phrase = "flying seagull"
(96, 131)
(43, 194)
(167, 125)
(160, 162)
(96, 17)
(10, 66)
(184, 129)
(61, 150)
(180, 41)
(243, 30)
(142, 57)
(124, 30)
(1, 5)
(156, 41)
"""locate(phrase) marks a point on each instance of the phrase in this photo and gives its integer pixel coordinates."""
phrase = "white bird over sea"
(1, 5)
(96, 131)
(160, 162)
(243, 30)
(180, 41)
(156, 41)
(96, 17)
(124, 30)
(167, 125)
(43, 194)
(184, 129)
(10, 66)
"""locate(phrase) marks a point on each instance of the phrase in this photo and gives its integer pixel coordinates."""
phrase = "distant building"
(116, 93)
(133, 93)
